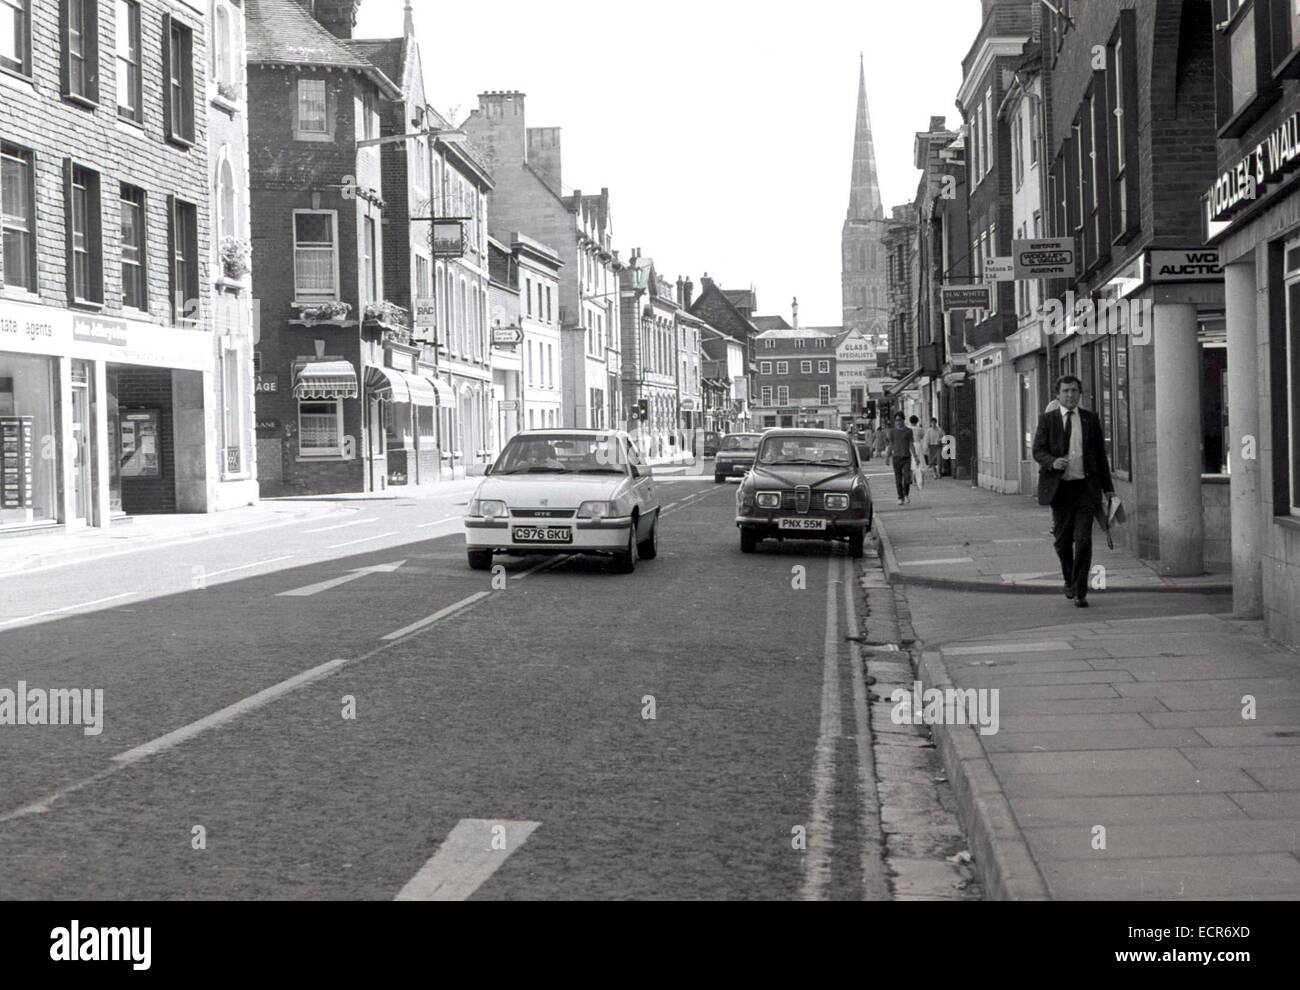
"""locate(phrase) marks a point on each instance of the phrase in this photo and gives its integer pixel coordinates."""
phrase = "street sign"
(955, 297)
(506, 336)
(1050, 257)
(999, 269)
(426, 314)
(447, 238)
(509, 405)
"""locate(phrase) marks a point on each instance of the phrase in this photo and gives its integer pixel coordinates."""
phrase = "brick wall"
(36, 117)
(803, 386)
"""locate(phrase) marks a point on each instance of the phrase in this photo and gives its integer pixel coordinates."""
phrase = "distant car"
(735, 456)
(565, 491)
(805, 485)
(711, 444)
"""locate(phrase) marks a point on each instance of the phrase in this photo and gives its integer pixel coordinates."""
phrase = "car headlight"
(595, 510)
(837, 503)
(769, 500)
(487, 508)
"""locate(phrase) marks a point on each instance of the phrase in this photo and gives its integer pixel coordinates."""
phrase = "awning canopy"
(442, 393)
(326, 380)
(398, 386)
(905, 382)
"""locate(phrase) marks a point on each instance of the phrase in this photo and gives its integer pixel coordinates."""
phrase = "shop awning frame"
(903, 383)
(326, 380)
(399, 386)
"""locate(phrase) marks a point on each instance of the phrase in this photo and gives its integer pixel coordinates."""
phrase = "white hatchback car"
(565, 491)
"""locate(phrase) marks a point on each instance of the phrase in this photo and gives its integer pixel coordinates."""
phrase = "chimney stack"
(794, 308)
(688, 293)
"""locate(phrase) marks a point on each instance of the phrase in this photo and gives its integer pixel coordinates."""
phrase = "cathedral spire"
(864, 199)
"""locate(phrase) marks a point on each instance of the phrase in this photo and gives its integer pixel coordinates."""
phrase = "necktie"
(1069, 430)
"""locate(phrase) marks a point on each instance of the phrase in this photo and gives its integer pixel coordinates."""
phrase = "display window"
(29, 447)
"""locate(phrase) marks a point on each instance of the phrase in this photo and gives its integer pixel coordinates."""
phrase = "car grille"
(802, 499)
(543, 513)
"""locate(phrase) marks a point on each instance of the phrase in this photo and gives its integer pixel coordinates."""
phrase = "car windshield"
(806, 450)
(740, 441)
(552, 454)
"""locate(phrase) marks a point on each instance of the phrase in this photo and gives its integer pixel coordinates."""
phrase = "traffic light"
(871, 409)
(642, 411)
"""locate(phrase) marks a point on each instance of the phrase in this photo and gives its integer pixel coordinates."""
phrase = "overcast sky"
(724, 130)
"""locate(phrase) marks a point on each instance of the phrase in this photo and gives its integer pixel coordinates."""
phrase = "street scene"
(415, 490)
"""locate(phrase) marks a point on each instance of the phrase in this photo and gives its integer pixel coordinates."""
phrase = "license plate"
(813, 524)
(543, 534)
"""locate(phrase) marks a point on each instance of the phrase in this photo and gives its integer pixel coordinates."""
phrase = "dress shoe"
(1081, 603)
(1069, 592)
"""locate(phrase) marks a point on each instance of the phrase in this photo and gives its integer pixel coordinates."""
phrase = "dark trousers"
(1072, 515)
(903, 475)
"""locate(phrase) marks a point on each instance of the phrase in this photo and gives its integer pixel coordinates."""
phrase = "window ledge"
(18, 294)
(82, 101)
(312, 137)
(231, 107)
(1288, 522)
(7, 73)
(237, 284)
(87, 304)
(1256, 107)
(317, 458)
(179, 141)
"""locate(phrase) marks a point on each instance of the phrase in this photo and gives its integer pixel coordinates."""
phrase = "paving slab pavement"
(1190, 790)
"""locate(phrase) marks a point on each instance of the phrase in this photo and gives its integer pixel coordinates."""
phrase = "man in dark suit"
(1074, 479)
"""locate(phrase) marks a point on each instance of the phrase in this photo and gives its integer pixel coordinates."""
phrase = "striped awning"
(326, 380)
(442, 393)
(399, 386)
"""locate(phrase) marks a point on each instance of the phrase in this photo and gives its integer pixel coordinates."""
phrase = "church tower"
(862, 252)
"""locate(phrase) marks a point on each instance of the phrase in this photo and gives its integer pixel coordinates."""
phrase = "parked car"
(735, 456)
(805, 485)
(711, 444)
(565, 491)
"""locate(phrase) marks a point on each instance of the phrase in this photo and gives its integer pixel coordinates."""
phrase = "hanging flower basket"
(236, 257)
(389, 314)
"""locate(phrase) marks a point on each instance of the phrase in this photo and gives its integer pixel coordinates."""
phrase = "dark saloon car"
(711, 444)
(735, 456)
(805, 485)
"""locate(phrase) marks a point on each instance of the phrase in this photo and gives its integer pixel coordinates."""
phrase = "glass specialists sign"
(1268, 161)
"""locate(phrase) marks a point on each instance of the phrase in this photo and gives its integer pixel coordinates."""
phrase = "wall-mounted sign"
(1044, 257)
(1268, 161)
(999, 269)
(426, 314)
(447, 239)
(506, 336)
(1199, 265)
(97, 330)
(15, 462)
(267, 384)
(268, 427)
(955, 297)
(141, 438)
(688, 405)
(509, 405)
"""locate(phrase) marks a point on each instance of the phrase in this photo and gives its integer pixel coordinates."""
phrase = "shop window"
(85, 240)
(80, 29)
(17, 218)
(1214, 408)
(184, 228)
(178, 72)
(16, 36)
(320, 428)
(134, 250)
(29, 489)
(315, 255)
(127, 32)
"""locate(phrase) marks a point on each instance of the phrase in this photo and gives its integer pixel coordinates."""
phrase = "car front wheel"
(748, 540)
(479, 560)
(625, 562)
(649, 547)
(856, 543)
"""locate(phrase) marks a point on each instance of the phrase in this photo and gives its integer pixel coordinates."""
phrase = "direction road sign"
(1050, 257)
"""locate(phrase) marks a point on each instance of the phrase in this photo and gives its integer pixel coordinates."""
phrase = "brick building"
(108, 371)
(333, 358)
(718, 308)
(1251, 215)
(529, 197)
(796, 377)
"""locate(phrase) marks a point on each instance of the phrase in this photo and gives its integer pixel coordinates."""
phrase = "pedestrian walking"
(902, 450)
(933, 448)
(1074, 479)
(880, 439)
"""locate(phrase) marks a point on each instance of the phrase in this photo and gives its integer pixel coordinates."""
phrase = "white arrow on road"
(360, 572)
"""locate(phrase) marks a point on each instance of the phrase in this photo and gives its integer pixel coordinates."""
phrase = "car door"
(643, 489)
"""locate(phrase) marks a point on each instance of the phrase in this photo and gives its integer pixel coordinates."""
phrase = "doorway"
(83, 432)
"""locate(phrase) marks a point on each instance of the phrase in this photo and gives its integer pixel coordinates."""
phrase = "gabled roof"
(770, 322)
(385, 54)
(741, 297)
(709, 289)
(281, 32)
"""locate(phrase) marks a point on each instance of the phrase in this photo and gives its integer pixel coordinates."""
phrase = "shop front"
(101, 417)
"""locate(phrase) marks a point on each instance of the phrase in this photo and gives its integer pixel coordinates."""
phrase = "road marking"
(354, 522)
(364, 539)
(1045, 647)
(817, 863)
(244, 567)
(466, 859)
(360, 572)
(438, 523)
(874, 885)
(65, 608)
(437, 616)
(227, 714)
(930, 563)
(672, 506)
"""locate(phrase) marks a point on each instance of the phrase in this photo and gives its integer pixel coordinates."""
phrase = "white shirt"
(1074, 472)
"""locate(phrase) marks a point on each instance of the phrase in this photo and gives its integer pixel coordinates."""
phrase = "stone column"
(1181, 532)
(1244, 315)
